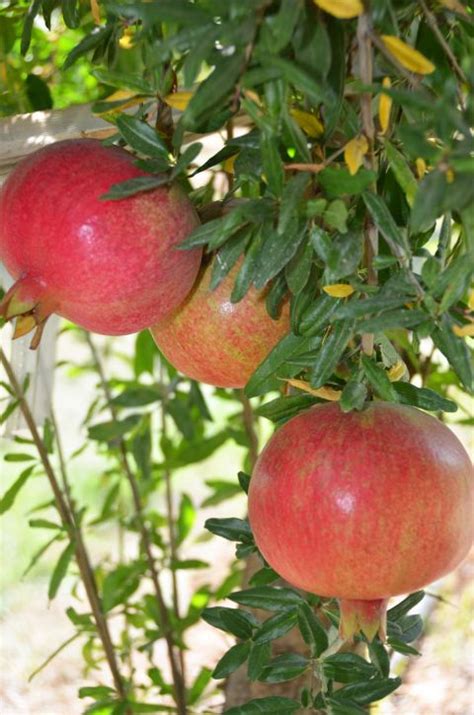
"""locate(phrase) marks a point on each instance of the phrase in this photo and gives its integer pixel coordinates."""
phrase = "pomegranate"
(362, 506)
(109, 266)
(213, 340)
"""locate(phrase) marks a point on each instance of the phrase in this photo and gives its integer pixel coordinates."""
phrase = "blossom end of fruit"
(360, 616)
(22, 303)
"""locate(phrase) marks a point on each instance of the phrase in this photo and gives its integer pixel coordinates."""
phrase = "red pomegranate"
(109, 266)
(213, 340)
(362, 506)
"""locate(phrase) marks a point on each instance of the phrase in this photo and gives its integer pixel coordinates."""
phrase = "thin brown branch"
(249, 426)
(178, 681)
(315, 168)
(364, 44)
(433, 23)
(74, 531)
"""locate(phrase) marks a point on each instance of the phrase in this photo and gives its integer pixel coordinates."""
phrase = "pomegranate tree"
(362, 506)
(214, 340)
(109, 266)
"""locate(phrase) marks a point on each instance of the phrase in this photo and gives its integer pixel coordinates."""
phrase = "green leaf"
(402, 608)
(385, 223)
(284, 667)
(264, 576)
(8, 499)
(291, 201)
(19, 457)
(233, 659)
(331, 352)
(455, 350)
(276, 626)
(213, 92)
(402, 171)
(392, 319)
(60, 569)
(345, 707)
(436, 196)
(222, 490)
(423, 397)
(277, 362)
(311, 629)
(186, 158)
(244, 481)
(120, 584)
(100, 36)
(283, 24)
(228, 255)
(378, 378)
(339, 182)
(39, 553)
(231, 529)
(370, 692)
(336, 215)
(268, 598)
(231, 620)
(347, 668)
(353, 396)
(402, 647)
(379, 657)
(317, 316)
(198, 686)
(141, 136)
(281, 409)
(316, 92)
(260, 654)
(114, 429)
(298, 270)
(273, 705)
(137, 396)
(28, 25)
(122, 80)
(130, 187)
(97, 691)
(186, 518)
(272, 163)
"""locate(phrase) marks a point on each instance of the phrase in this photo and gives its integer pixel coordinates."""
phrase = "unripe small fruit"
(213, 340)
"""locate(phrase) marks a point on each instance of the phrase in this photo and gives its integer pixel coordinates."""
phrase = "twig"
(74, 531)
(366, 73)
(315, 168)
(171, 530)
(432, 22)
(178, 681)
(249, 426)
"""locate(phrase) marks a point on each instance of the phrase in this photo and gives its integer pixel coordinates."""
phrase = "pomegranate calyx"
(27, 303)
(368, 617)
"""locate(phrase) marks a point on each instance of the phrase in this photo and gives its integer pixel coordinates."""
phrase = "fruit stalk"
(74, 531)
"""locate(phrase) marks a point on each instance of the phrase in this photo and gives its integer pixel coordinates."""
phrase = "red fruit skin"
(109, 266)
(364, 505)
(212, 340)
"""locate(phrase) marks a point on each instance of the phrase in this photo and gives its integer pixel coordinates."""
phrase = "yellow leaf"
(470, 300)
(343, 9)
(449, 176)
(95, 11)
(325, 393)
(410, 58)
(396, 371)
(385, 106)
(420, 167)
(126, 41)
(339, 290)
(253, 96)
(178, 100)
(354, 152)
(309, 123)
(455, 6)
(463, 331)
(127, 99)
(228, 164)
(120, 94)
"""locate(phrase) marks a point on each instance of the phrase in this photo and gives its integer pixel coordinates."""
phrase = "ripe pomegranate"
(109, 266)
(362, 506)
(213, 340)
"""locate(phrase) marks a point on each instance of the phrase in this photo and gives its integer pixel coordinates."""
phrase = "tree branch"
(178, 681)
(74, 531)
